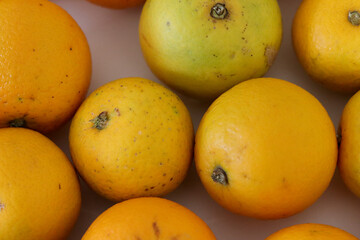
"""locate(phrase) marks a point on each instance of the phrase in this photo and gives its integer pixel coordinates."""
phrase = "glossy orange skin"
(326, 43)
(148, 219)
(311, 231)
(45, 64)
(275, 142)
(119, 4)
(349, 155)
(146, 147)
(40, 195)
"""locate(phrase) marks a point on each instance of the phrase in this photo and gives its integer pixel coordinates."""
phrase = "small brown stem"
(219, 11)
(100, 122)
(19, 122)
(354, 18)
(219, 176)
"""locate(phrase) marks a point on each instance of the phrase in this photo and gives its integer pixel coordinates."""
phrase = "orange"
(266, 149)
(311, 231)
(130, 138)
(204, 47)
(45, 65)
(118, 3)
(326, 37)
(349, 157)
(150, 219)
(39, 190)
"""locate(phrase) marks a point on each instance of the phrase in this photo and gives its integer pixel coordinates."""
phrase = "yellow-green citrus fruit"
(204, 47)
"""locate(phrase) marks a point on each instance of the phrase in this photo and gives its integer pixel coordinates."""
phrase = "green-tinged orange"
(204, 47)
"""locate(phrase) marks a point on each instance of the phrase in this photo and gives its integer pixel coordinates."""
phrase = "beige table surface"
(113, 39)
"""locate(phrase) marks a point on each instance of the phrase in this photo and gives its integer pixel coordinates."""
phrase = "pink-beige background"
(116, 53)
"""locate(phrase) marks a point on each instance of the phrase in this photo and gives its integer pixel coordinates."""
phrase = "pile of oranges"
(265, 148)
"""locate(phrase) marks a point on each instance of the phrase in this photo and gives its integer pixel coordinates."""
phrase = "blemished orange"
(132, 138)
(326, 37)
(266, 149)
(45, 65)
(204, 47)
(148, 218)
(119, 4)
(311, 231)
(349, 154)
(39, 189)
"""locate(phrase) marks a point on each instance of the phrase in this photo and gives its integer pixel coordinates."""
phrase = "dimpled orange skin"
(119, 4)
(276, 144)
(45, 64)
(148, 218)
(146, 147)
(327, 44)
(311, 231)
(202, 56)
(39, 189)
(349, 156)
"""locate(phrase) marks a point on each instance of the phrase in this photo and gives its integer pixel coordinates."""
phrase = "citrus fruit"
(311, 231)
(266, 149)
(118, 3)
(349, 153)
(202, 48)
(132, 137)
(148, 218)
(45, 65)
(39, 190)
(325, 37)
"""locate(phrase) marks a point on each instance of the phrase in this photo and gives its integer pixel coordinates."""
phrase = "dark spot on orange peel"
(220, 176)
(156, 229)
(19, 122)
(354, 18)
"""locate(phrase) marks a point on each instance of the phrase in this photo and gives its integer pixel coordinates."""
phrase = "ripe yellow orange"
(45, 65)
(349, 155)
(39, 189)
(204, 47)
(326, 37)
(130, 138)
(311, 231)
(148, 218)
(118, 3)
(266, 149)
